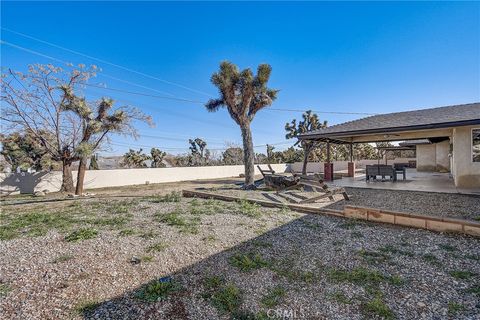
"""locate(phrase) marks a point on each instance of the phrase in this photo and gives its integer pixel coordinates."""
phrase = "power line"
(184, 149)
(106, 62)
(171, 97)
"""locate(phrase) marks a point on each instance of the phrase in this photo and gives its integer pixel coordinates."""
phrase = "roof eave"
(347, 134)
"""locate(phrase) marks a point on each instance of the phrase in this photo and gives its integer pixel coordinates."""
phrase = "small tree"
(199, 152)
(93, 163)
(310, 122)
(157, 157)
(46, 100)
(243, 94)
(134, 159)
(22, 150)
(232, 156)
(34, 102)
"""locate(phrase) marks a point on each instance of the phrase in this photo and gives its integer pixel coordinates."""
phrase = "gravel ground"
(428, 203)
(226, 260)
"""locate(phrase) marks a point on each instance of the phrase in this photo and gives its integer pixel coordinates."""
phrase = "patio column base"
(328, 171)
(351, 169)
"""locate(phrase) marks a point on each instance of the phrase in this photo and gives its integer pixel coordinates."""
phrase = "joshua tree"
(95, 125)
(135, 159)
(157, 157)
(243, 94)
(310, 122)
(200, 153)
(93, 163)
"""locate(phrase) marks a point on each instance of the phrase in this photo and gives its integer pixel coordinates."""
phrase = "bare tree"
(33, 102)
(46, 99)
(243, 94)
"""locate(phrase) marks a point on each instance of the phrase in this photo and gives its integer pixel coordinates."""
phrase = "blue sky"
(344, 57)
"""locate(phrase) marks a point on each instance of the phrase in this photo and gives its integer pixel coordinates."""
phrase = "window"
(476, 145)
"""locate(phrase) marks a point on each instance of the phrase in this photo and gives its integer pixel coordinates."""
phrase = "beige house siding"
(426, 157)
(433, 157)
(465, 171)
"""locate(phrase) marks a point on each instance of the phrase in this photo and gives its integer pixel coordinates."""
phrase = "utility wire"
(106, 62)
(169, 97)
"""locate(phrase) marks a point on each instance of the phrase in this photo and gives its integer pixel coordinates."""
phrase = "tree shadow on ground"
(297, 257)
(279, 246)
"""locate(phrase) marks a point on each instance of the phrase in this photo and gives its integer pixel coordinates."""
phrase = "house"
(449, 139)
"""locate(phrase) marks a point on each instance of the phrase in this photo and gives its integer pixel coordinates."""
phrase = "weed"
(173, 196)
(357, 234)
(447, 247)
(147, 259)
(273, 297)
(159, 246)
(248, 262)
(362, 276)
(86, 307)
(391, 249)
(126, 232)
(175, 219)
(454, 308)
(157, 290)
(461, 274)
(284, 210)
(213, 282)
(431, 259)
(227, 298)
(81, 234)
(376, 307)
(120, 207)
(477, 218)
(248, 315)
(340, 297)
(4, 289)
(209, 238)
(473, 257)
(262, 244)
(62, 258)
(474, 290)
(373, 256)
(248, 208)
(148, 235)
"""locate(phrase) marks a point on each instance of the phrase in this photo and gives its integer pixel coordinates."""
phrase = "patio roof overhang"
(435, 132)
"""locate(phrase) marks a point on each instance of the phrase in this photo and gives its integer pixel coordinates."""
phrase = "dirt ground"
(160, 256)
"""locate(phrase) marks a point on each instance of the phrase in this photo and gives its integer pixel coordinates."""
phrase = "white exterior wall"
(466, 172)
(442, 158)
(426, 157)
(51, 181)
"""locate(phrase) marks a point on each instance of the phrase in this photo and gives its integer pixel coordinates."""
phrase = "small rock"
(39, 194)
(241, 175)
(421, 305)
(135, 260)
(71, 195)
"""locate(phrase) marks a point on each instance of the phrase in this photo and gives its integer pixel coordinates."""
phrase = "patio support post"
(351, 164)
(328, 166)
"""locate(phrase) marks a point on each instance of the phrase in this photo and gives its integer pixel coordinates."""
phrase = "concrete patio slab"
(416, 181)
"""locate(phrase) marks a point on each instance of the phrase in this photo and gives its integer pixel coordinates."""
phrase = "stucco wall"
(51, 181)
(466, 172)
(426, 157)
(442, 159)
(343, 165)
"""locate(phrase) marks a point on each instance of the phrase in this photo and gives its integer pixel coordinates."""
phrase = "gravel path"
(429, 203)
(227, 259)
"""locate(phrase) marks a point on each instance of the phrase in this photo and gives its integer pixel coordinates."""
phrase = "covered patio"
(415, 181)
(446, 160)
